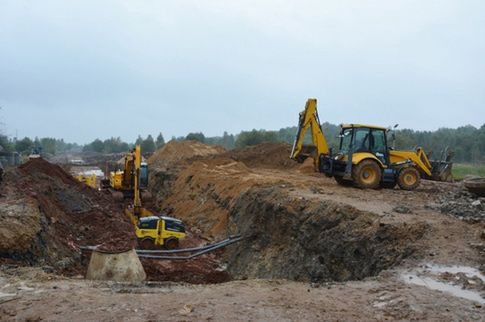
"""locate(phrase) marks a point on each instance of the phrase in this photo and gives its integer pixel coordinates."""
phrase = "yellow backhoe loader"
(151, 230)
(364, 157)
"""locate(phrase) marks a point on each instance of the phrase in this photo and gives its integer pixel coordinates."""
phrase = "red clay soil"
(72, 214)
(200, 270)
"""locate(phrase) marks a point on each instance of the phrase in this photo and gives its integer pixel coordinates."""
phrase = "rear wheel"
(408, 178)
(146, 243)
(367, 174)
(341, 181)
(171, 243)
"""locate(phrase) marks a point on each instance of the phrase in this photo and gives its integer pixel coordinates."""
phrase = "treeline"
(466, 142)
(116, 145)
(46, 145)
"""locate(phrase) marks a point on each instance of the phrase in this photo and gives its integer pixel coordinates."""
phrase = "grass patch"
(460, 170)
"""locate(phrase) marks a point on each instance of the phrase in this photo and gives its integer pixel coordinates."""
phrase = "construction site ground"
(313, 250)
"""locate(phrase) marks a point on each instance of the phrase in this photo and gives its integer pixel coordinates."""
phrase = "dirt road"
(31, 296)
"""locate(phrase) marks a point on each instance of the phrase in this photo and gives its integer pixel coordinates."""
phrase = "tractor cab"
(143, 175)
(355, 138)
(357, 142)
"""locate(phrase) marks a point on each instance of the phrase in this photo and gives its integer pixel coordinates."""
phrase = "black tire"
(146, 243)
(388, 185)
(171, 243)
(408, 178)
(367, 174)
(341, 181)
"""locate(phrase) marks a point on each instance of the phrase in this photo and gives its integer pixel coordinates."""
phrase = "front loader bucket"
(441, 169)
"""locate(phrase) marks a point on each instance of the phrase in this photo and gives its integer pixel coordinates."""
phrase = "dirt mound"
(39, 165)
(175, 151)
(265, 155)
(65, 215)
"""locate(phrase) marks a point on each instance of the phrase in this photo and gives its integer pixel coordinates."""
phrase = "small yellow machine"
(88, 180)
(364, 157)
(152, 230)
(159, 231)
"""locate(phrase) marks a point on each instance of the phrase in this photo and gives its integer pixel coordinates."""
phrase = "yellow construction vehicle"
(88, 180)
(364, 157)
(151, 230)
(121, 182)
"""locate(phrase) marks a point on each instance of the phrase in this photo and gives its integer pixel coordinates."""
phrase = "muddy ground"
(313, 250)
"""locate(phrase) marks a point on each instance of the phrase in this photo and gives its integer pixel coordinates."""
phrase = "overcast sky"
(86, 69)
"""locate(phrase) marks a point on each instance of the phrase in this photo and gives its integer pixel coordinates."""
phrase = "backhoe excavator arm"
(309, 119)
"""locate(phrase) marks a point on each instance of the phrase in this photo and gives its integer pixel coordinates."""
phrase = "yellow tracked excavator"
(364, 157)
(121, 183)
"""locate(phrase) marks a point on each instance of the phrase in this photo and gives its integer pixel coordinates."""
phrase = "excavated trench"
(301, 240)
(286, 235)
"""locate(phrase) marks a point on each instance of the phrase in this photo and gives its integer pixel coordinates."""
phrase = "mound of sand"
(265, 155)
(175, 151)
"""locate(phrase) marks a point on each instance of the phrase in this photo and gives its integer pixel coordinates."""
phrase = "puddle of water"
(444, 287)
(433, 284)
(469, 272)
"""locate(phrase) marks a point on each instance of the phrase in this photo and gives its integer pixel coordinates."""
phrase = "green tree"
(160, 141)
(198, 136)
(255, 137)
(95, 146)
(48, 145)
(139, 140)
(228, 141)
(6, 143)
(24, 146)
(148, 145)
(115, 145)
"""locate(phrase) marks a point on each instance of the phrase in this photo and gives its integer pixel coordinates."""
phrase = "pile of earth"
(166, 163)
(285, 237)
(265, 155)
(46, 216)
(175, 152)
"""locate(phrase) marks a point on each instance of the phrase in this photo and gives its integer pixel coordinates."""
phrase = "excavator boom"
(309, 119)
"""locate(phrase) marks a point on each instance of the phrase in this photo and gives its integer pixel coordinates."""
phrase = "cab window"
(361, 140)
(378, 141)
(148, 224)
(345, 138)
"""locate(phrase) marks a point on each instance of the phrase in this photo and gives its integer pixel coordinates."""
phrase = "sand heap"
(47, 215)
(265, 155)
(178, 151)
